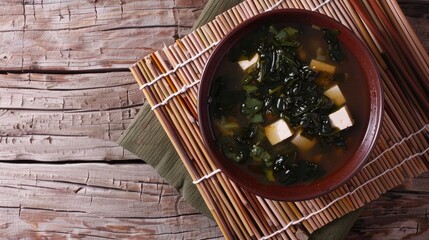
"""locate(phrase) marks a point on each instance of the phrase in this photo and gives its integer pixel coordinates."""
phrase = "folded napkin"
(146, 138)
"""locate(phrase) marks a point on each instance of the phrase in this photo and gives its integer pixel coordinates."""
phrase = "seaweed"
(279, 86)
(331, 37)
(288, 170)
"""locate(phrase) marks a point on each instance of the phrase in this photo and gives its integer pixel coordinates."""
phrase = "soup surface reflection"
(284, 104)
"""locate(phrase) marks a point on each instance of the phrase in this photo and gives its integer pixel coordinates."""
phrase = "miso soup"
(284, 104)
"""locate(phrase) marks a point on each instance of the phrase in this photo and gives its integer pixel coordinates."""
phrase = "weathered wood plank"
(52, 116)
(113, 201)
(88, 35)
(64, 82)
(60, 148)
(105, 125)
(418, 17)
(57, 117)
(402, 213)
(133, 201)
(100, 99)
(116, 92)
(94, 200)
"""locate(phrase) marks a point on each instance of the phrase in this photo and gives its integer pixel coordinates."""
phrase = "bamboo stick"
(266, 222)
(242, 10)
(287, 4)
(307, 211)
(376, 189)
(415, 69)
(397, 108)
(292, 214)
(395, 58)
(329, 213)
(336, 210)
(298, 4)
(280, 219)
(188, 75)
(236, 225)
(384, 163)
(407, 31)
(285, 216)
(216, 23)
(310, 207)
(256, 216)
(190, 51)
(274, 222)
(253, 8)
(189, 100)
(421, 69)
(156, 88)
(237, 15)
(357, 200)
(264, 5)
(232, 17)
(180, 55)
(348, 203)
(200, 154)
(237, 212)
(271, 2)
(198, 45)
(242, 213)
(214, 29)
(212, 207)
(294, 207)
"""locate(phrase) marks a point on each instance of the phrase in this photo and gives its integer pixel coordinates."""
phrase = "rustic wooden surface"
(66, 96)
(402, 213)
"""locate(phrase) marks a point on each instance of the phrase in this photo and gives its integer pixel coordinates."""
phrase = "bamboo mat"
(169, 80)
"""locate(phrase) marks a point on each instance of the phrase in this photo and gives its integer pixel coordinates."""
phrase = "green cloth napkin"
(146, 138)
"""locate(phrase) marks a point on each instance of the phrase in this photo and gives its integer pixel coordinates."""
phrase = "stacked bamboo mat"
(169, 80)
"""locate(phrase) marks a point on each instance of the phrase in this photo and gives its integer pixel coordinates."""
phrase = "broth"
(255, 103)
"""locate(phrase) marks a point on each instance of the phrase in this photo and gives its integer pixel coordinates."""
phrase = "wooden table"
(66, 95)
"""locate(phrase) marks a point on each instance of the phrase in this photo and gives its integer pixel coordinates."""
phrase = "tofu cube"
(320, 66)
(335, 94)
(341, 118)
(302, 142)
(278, 131)
(246, 64)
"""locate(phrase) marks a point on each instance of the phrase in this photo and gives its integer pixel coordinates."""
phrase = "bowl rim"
(288, 193)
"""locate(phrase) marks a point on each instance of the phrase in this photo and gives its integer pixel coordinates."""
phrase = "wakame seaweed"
(331, 37)
(279, 86)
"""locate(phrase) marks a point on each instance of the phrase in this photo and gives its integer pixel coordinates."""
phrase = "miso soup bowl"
(372, 113)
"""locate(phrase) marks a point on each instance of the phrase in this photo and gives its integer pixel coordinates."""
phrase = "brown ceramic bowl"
(370, 114)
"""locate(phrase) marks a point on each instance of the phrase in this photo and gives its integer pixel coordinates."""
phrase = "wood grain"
(89, 35)
(66, 96)
(401, 213)
(94, 200)
(53, 117)
(76, 95)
